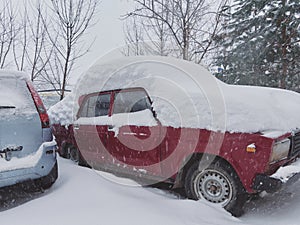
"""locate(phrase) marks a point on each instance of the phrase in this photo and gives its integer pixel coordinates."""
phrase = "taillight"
(39, 106)
(45, 120)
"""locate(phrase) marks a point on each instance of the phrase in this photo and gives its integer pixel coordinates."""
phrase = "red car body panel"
(233, 150)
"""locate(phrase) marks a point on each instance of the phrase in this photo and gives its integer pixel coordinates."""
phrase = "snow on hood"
(185, 94)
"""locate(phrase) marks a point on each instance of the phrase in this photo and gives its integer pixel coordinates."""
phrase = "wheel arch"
(190, 160)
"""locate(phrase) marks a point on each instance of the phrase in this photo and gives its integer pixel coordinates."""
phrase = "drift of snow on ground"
(81, 196)
(187, 95)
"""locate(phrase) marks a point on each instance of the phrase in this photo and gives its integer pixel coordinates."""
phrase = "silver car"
(27, 149)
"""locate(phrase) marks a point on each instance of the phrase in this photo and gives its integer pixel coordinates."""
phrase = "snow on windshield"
(187, 95)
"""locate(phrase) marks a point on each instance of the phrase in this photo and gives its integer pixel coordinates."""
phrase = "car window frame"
(131, 90)
(85, 98)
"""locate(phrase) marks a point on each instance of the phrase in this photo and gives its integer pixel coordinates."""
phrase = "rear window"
(14, 94)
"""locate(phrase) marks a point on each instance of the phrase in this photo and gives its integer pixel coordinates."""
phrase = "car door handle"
(76, 126)
(130, 133)
(135, 134)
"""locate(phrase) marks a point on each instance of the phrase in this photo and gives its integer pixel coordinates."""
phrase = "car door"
(91, 127)
(134, 134)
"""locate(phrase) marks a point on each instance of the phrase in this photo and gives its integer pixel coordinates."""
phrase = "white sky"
(108, 33)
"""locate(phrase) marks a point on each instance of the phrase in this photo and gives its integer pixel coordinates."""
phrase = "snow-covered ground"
(81, 196)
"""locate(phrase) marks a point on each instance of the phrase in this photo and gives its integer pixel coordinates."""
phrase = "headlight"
(280, 150)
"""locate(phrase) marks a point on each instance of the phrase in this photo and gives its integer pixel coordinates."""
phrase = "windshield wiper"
(7, 107)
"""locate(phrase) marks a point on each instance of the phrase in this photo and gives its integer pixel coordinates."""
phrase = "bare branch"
(189, 26)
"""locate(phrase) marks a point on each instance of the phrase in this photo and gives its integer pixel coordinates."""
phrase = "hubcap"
(214, 187)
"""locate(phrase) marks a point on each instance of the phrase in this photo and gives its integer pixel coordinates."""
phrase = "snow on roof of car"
(185, 94)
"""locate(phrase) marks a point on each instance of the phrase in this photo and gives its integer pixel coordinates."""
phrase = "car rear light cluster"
(39, 106)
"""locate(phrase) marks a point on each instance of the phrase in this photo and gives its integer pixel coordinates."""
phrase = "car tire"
(47, 181)
(64, 151)
(217, 183)
(82, 162)
(73, 153)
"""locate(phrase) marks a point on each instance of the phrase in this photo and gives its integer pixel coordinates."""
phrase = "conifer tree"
(261, 44)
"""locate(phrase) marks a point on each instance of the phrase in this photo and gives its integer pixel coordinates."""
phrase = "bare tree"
(31, 46)
(204, 40)
(51, 72)
(156, 33)
(73, 18)
(20, 42)
(146, 36)
(41, 51)
(46, 49)
(134, 37)
(191, 25)
(7, 31)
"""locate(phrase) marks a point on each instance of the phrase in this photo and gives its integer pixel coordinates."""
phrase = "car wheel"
(64, 151)
(47, 181)
(217, 184)
(82, 162)
(73, 153)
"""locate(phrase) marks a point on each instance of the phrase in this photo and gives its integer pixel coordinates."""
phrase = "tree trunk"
(65, 74)
(284, 43)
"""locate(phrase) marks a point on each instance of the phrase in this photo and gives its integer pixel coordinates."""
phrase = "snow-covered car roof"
(185, 94)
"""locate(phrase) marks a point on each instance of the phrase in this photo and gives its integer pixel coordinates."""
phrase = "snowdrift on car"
(187, 95)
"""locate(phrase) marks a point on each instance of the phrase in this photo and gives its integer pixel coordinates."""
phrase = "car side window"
(102, 105)
(96, 105)
(131, 101)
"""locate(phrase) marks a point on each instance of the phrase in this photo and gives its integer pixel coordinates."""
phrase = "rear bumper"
(32, 167)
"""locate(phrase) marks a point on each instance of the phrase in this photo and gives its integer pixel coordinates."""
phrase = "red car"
(120, 130)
